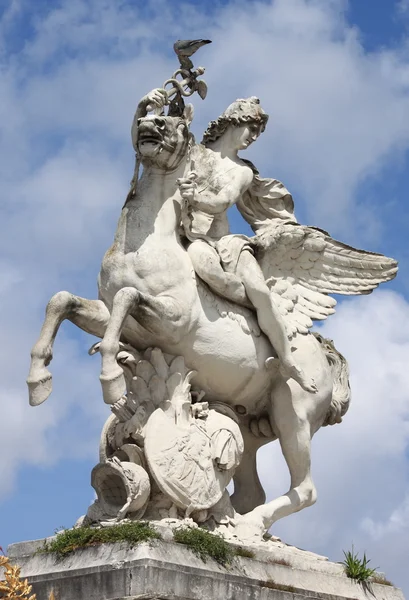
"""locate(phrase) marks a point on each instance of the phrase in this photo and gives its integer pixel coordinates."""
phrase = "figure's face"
(245, 135)
(162, 141)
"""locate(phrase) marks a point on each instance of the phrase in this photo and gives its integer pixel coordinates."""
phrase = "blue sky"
(334, 77)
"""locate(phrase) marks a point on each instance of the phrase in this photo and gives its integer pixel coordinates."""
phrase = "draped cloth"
(265, 199)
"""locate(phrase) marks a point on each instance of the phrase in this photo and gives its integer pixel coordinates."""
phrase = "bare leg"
(206, 263)
(90, 315)
(270, 319)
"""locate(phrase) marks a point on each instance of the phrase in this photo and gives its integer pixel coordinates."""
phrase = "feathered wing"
(302, 265)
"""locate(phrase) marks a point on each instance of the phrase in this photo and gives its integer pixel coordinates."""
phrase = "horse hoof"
(39, 388)
(249, 528)
(113, 386)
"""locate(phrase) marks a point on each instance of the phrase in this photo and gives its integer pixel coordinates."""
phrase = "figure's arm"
(214, 204)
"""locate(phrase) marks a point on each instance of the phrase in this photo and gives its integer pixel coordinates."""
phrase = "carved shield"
(181, 461)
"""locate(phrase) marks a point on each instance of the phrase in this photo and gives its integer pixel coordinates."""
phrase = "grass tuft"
(245, 552)
(205, 544)
(381, 579)
(357, 568)
(273, 585)
(82, 537)
(279, 561)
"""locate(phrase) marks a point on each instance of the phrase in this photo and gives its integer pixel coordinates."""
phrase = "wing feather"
(302, 265)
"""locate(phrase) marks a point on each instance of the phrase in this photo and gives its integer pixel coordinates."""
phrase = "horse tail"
(341, 391)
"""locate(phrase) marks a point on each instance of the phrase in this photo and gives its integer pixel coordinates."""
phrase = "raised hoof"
(39, 388)
(113, 386)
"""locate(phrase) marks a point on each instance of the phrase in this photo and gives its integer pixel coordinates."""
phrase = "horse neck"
(153, 210)
(158, 186)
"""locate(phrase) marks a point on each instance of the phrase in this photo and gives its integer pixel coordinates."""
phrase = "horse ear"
(188, 113)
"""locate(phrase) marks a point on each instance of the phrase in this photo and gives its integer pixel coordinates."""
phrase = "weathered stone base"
(165, 570)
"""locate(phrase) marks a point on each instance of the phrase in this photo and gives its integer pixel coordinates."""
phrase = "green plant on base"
(279, 561)
(357, 568)
(205, 544)
(81, 537)
(273, 585)
(244, 552)
(380, 579)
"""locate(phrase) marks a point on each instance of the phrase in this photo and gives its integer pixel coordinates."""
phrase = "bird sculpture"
(185, 48)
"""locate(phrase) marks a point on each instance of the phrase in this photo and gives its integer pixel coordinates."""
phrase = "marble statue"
(206, 343)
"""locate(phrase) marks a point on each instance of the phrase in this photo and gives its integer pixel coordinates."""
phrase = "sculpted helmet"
(240, 112)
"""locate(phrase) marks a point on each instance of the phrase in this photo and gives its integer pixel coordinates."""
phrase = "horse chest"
(152, 269)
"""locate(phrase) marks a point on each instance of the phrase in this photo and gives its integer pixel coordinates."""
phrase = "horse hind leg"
(248, 490)
(90, 315)
(293, 428)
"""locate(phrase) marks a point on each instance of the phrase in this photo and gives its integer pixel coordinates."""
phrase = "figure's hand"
(157, 98)
(188, 187)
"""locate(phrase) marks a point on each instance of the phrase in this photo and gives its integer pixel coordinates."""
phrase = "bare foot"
(288, 369)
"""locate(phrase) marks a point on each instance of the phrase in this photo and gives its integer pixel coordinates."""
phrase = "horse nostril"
(159, 123)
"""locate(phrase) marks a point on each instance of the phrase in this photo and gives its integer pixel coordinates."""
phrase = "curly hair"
(241, 112)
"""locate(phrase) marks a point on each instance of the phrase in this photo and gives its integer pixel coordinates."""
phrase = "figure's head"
(243, 120)
(162, 141)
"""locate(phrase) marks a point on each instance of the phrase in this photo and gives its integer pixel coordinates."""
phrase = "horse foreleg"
(156, 315)
(112, 376)
(90, 315)
(294, 432)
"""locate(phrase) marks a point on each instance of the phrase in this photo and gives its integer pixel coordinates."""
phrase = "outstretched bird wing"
(302, 265)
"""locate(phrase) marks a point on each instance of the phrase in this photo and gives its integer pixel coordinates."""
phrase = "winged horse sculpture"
(149, 295)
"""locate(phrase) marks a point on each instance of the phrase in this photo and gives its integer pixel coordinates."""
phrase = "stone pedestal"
(165, 570)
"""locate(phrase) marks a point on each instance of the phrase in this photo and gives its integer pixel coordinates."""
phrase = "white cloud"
(328, 129)
(338, 115)
(397, 522)
(402, 7)
(328, 101)
(53, 431)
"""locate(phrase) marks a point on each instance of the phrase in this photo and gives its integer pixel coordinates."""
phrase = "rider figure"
(225, 261)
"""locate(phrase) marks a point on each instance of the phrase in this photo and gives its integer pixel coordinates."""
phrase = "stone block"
(162, 570)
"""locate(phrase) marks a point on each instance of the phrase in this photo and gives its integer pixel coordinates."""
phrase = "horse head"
(163, 141)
